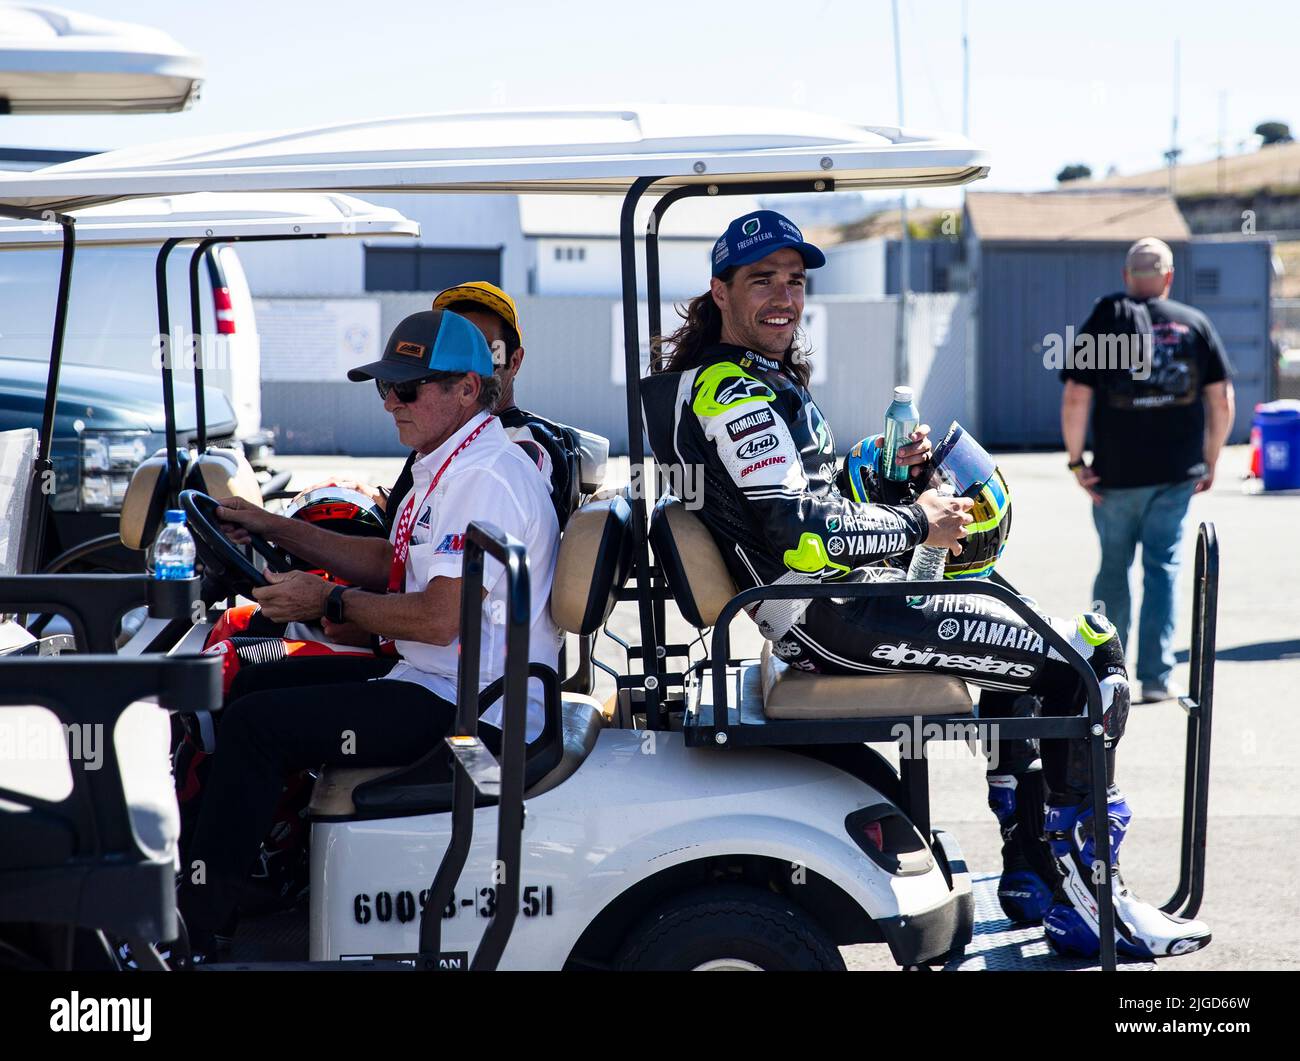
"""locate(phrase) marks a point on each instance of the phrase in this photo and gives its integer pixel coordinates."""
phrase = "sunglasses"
(410, 390)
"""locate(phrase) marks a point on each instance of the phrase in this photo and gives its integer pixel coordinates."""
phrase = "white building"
(530, 244)
(573, 243)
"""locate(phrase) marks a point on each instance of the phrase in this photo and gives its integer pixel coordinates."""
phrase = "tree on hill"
(1274, 133)
(1073, 172)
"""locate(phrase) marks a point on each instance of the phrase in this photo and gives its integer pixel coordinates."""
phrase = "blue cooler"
(1279, 440)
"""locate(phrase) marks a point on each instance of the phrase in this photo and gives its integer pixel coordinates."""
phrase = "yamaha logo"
(835, 546)
(949, 628)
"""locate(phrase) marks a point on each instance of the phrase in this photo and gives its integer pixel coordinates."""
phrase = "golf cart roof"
(54, 61)
(199, 215)
(576, 150)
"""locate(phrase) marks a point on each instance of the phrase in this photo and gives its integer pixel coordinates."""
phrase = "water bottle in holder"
(173, 550)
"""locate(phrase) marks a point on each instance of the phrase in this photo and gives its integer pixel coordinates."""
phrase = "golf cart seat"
(218, 472)
(594, 562)
(767, 688)
(89, 812)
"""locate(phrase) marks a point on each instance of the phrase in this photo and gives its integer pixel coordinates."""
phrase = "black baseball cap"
(436, 340)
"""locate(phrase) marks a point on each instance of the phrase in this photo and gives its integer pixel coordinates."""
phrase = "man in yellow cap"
(551, 445)
(1157, 381)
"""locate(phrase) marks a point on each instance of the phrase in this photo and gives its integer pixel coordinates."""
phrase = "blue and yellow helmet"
(961, 461)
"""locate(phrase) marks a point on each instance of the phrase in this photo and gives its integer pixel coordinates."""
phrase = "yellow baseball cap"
(489, 296)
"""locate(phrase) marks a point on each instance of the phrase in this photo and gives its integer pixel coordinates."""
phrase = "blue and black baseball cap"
(431, 341)
(754, 236)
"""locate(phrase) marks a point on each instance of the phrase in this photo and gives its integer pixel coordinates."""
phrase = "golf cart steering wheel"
(201, 513)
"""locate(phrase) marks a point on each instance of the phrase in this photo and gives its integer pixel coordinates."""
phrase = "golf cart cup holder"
(172, 598)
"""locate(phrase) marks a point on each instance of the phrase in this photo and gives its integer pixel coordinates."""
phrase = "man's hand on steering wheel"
(238, 517)
(293, 597)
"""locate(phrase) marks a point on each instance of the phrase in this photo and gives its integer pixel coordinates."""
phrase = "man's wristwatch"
(334, 604)
(1075, 465)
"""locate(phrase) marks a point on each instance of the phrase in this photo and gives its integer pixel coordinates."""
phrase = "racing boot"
(1029, 873)
(1071, 925)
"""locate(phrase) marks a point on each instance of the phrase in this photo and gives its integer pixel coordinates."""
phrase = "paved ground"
(1252, 893)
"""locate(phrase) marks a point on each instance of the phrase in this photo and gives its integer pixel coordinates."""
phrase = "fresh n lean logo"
(751, 226)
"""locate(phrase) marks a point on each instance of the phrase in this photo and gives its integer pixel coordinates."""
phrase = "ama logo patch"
(451, 544)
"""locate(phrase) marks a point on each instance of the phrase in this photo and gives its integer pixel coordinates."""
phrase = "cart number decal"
(405, 906)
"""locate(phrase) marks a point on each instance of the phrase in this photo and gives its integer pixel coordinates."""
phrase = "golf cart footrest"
(472, 756)
(172, 598)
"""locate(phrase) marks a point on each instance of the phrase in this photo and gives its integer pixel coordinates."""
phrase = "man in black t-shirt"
(1157, 381)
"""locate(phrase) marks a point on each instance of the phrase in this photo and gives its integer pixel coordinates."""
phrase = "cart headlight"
(108, 460)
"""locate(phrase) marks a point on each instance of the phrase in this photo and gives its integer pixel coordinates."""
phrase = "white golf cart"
(718, 813)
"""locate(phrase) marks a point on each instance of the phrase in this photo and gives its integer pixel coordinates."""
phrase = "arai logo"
(757, 446)
(751, 226)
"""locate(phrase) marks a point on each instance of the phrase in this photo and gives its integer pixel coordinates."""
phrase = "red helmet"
(341, 509)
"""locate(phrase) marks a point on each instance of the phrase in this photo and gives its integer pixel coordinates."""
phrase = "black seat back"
(87, 859)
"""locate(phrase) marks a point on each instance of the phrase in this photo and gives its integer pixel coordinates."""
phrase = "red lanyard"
(402, 541)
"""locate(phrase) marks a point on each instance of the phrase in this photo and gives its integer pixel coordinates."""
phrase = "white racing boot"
(1071, 925)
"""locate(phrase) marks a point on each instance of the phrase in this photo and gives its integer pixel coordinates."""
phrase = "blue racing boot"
(1029, 873)
(1071, 925)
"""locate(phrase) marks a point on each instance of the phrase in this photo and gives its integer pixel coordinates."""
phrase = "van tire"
(741, 928)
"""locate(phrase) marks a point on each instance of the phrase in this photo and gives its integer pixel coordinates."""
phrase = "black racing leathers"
(752, 453)
(748, 448)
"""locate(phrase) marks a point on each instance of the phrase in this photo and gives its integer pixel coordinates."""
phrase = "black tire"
(744, 926)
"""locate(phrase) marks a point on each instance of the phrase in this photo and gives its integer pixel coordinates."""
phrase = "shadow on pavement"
(1260, 650)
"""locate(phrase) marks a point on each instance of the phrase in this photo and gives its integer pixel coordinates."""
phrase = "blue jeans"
(1152, 516)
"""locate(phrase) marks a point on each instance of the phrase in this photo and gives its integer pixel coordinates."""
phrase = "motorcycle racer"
(732, 400)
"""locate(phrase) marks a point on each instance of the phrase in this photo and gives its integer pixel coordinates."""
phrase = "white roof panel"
(579, 150)
(54, 61)
(201, 214)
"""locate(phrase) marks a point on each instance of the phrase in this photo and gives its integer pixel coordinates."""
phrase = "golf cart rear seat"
(768, 688)
(594, 562)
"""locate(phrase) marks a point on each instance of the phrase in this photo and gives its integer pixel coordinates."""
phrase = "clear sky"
(1051, 83)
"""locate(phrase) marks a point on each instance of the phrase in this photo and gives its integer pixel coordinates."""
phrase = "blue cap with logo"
(753, 237)
(432, 341)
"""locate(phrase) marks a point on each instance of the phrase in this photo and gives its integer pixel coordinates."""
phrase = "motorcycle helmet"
(341, 509)
(967, 468)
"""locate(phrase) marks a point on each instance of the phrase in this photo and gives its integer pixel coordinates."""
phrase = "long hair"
(702, 327)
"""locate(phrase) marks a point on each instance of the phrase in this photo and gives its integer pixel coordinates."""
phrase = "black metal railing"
(1199, 705)
(474, 766)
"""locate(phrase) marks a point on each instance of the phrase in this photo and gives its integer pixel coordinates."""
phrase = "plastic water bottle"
(928, 561)
(901, 419)
(173, 551)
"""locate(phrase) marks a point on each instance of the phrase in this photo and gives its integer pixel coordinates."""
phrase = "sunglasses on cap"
(410, 390)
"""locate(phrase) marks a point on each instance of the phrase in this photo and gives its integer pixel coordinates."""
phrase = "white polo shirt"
(495, 481)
